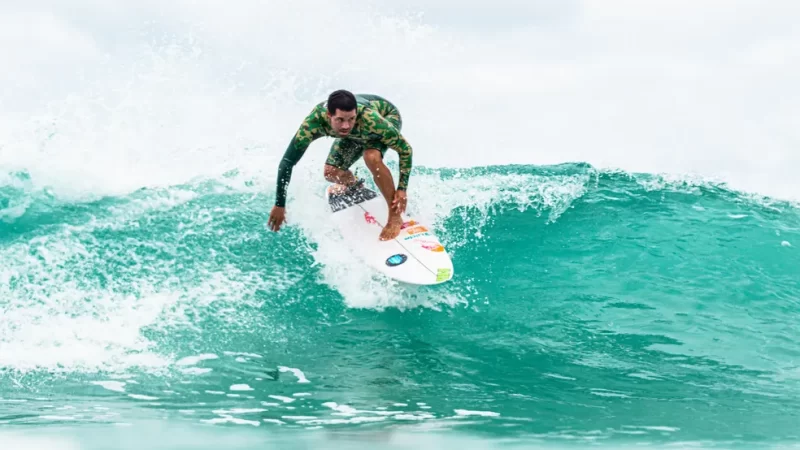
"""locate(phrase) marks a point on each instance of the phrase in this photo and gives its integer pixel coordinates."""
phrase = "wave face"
(586, 305)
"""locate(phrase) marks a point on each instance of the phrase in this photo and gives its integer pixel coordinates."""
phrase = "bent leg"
(339, 176)
(343, 154)
(383, 179)
(380, 173)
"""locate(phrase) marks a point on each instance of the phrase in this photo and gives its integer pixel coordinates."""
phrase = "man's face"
(342, 122)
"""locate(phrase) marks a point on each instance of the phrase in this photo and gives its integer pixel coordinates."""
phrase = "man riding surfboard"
(364, 126)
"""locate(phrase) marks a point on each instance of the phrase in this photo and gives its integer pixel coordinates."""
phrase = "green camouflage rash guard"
(371, 128)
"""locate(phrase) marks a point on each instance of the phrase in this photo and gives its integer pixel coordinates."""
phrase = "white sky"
(706, 86)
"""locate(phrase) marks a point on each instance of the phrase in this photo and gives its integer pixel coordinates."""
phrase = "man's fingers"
(273, 224)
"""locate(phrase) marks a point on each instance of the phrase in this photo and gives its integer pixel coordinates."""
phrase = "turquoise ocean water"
(588, 307)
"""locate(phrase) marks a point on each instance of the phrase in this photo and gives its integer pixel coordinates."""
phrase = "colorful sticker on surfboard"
(416, 230)
(396, 260)
(431, 245)
(442, 274)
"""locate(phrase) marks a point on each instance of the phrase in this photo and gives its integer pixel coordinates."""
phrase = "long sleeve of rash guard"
(312, 128)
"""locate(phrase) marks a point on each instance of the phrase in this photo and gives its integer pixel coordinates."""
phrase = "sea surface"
(588, 307)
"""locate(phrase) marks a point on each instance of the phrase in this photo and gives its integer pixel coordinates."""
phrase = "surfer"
(364, 126)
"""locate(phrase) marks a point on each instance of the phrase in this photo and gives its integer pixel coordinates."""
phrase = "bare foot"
(336, 189)
(392, 229)
(339, 188)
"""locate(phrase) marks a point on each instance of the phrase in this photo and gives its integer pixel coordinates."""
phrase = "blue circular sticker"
(396, 260)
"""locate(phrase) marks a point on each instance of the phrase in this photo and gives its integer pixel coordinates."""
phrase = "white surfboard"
(415, 256)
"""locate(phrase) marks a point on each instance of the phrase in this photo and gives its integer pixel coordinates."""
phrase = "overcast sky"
(705, 86)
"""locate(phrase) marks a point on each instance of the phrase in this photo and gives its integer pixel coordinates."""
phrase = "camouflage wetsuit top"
(377, 126)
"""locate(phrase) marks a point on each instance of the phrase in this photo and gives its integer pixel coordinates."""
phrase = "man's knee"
(373, 158)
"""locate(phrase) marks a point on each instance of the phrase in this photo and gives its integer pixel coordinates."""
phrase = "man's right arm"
(309, 130)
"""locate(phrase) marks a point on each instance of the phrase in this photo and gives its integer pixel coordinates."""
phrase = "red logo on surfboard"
(432, 246)
(369, 218)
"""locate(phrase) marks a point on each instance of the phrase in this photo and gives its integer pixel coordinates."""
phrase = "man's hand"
(276, 218)
(399, 202)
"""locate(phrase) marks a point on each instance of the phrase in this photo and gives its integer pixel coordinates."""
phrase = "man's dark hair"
(341, 99)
